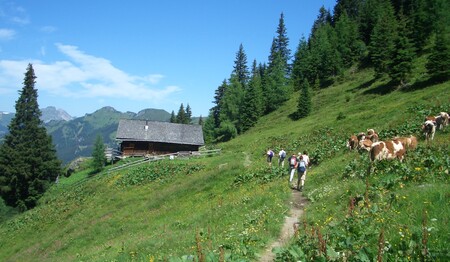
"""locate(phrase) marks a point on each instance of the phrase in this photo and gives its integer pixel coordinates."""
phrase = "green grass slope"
(229, 207)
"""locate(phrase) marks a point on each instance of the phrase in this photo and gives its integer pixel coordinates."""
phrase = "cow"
(352, 142)
(429, 128)
(442, 120)
(372, 135)
(409, 143)
(390, 149)
(365, 144)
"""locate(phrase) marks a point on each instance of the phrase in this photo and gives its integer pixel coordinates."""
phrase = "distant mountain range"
(75, 137)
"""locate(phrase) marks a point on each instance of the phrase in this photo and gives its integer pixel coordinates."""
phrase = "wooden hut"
(143, 137)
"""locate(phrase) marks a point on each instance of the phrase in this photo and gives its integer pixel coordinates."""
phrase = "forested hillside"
(387, 35)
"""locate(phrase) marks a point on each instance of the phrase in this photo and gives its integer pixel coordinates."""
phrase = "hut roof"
(163, 132)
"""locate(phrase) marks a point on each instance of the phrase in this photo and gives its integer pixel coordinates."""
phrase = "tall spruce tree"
(188, 115)
(304, 101)
(382, 45)
(218, 97)
(231, 104)
(181, 116)
(404, 53)
(282, 44)
(438, 64)
(240, 66)
(173, 118)
(98, 154)
(28, 162)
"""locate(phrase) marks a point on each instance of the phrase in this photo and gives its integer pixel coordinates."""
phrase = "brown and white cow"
(409, 143)
(372, 135)
(390, 149)
(365, 144)
(429, 128)
(352, 142)
(442, 120)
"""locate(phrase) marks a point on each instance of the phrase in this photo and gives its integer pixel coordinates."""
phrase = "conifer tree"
(28, 162)
(350, 47)
(98, 154)
(276, 87)
(404, 53)
(304, 101)
(200, 120)
(188, 119)
(252, 104)
(181, 116)
(173, 118)
(303, 66)
(282, 44)
(231, 103)
(240, 66)
(438, 64)
(218, 97)
(382, 44)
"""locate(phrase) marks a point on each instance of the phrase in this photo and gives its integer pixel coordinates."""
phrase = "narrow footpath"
(297, 204)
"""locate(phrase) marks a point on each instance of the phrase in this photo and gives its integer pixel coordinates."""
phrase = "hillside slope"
(231, 206)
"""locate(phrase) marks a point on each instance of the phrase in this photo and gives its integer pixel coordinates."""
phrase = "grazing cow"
(372, 135)
(429, 128)
(365, 144)
(352, 142)
(442, 120)
(409, 143)
(390, 149)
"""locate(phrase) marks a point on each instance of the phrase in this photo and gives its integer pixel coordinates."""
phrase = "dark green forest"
(386, 35)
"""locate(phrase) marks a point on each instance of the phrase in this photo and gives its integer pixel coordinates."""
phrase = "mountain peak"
(52, 113)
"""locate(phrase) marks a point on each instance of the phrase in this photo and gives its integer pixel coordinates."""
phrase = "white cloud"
(84, 75)
(7, 34)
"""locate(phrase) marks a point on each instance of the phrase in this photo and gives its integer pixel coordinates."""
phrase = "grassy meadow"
(229, 207)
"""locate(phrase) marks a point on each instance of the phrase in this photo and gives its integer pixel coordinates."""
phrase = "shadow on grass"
(383, 89)
(363, 86)
(423, 84)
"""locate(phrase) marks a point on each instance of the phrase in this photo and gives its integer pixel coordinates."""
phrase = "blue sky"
(133, 55)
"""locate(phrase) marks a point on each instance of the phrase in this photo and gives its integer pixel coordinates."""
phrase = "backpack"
(302, 166)
(293, 161)
(283, 155)
(271, 153)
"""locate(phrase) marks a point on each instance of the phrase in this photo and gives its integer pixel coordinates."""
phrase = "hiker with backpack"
(269, 156)
(292, 160)
(301, 170)
(282, 155)
(304, 161)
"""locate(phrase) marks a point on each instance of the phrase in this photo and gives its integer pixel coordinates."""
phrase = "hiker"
(304, 157)
(301, 170)
(282, 155)
(292, 160)
(269, 156)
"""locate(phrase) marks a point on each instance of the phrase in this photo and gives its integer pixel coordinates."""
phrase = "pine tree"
(181, 116)
(404, 54)
(382, 44)
(276, 87)
(218, 97)
(231, 103)
(350, 47)
(304, 106)
(173, 118)
(98, 154)
(188, 119)
(200, 120)
(28, 162)
(438, 64)
(240, 66)
(282, 44)
(251, 107)
(303, 67)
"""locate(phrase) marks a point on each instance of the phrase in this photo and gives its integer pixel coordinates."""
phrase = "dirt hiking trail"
(297, 203)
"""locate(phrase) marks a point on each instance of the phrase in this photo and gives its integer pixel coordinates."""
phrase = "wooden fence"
(181, 154)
